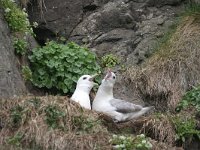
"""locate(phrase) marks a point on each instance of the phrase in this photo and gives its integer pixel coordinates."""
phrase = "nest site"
(53, 122)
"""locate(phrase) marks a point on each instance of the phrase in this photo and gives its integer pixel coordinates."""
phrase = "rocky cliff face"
(11, 82)
(129, 29)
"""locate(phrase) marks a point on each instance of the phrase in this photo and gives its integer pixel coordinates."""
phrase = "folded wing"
(124, 106)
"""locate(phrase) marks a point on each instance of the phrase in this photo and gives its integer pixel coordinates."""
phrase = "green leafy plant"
(16, 139)
(191, 98)
(19, 24)
(36, 102)
(185, 128)
(20, 46)
(83, 124)
(139, 142)
(59, 66)
(26, 72)
(17, 19)
(53, 116)
(192, 8)
(110, 61)
(16, 115)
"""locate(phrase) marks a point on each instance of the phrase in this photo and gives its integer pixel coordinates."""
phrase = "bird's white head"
(109, 79)
(85, 83)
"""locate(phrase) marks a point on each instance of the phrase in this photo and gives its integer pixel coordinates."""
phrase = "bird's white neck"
(83, 88)
(106, 91)
(81, 96)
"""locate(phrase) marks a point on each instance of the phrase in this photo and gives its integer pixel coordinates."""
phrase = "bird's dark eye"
(84, 78)
(113, 77)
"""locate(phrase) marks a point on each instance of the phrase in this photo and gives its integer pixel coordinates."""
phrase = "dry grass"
(160, 128)
(36, 132)
(157, 126)
(163, 146)
(77, 129)
(170, 72)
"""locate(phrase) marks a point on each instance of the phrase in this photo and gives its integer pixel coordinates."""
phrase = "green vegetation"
(59, 66)
(185, 128)
(36, 102)
(20, 46)
(191, 8)
(17, 115)
(19, 24)
(191, 98)
(16, 139)
(26, 73)
(164, 41)
(17, 19)
(50, 122)
(53, 116)
(130, 143)
(109, 61)
(83, 124)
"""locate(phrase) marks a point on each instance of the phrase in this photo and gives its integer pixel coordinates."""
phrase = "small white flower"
(119, 146)
(144, 141)
(31, 29)
(116, 146)
(12, 1)
(25, 14)
(139, 145)
(24, 9)
(122, 146)
(35, 24)
(122, 137)
(141, 135)
(7, 10)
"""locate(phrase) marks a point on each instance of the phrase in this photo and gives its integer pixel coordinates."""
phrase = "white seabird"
(83, 87)
(118, 109)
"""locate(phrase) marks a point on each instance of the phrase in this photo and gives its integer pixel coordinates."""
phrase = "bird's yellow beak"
(92, 78)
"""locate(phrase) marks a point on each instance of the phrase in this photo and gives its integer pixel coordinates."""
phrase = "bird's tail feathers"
(140, 113)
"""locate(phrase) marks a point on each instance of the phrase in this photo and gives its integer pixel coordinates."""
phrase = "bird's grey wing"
(124, 106)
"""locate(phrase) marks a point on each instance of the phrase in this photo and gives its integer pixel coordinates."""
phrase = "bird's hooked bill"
(93, 76)
(109, 74)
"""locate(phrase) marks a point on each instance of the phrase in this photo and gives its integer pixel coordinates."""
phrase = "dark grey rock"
(117, 41)
(11, 82)
(55, 18)
(59, 18)
(129, 29)
(160, 3)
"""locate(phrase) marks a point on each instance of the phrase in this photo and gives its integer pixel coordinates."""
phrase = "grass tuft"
(172, 70)
(50, 122)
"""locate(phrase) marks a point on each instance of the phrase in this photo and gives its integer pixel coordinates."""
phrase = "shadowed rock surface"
(11, 82)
